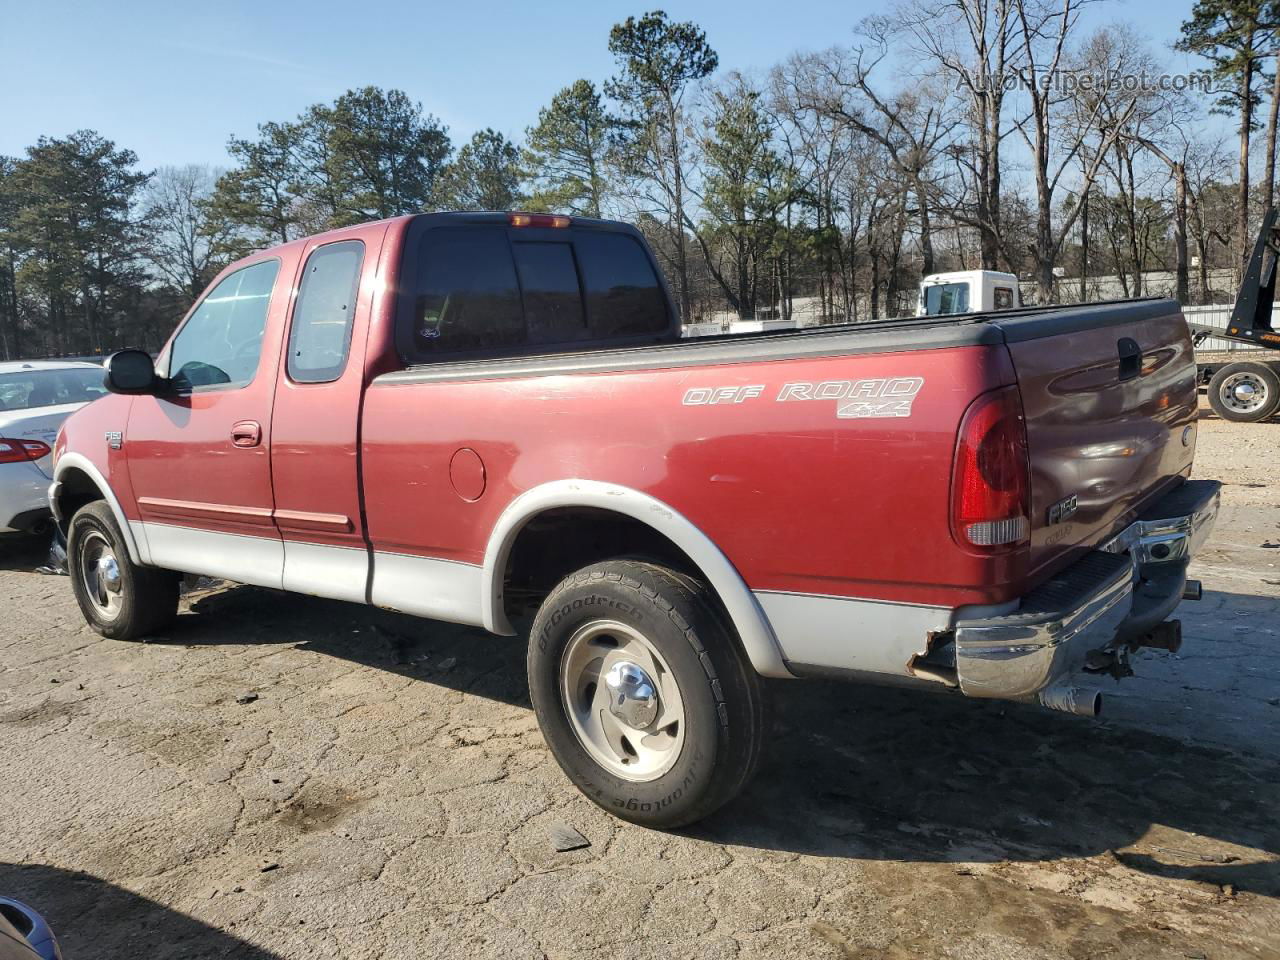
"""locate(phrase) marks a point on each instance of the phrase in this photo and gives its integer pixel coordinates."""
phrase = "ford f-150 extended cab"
(474, 417)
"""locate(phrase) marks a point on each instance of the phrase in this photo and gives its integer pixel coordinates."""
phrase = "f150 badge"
(854, 399)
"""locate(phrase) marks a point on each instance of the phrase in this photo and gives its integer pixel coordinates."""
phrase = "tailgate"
(1109, 393)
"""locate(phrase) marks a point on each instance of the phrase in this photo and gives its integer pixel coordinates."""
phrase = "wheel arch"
(77, 481)
(744, 610)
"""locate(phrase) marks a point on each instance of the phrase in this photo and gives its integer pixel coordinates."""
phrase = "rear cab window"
(472, 291)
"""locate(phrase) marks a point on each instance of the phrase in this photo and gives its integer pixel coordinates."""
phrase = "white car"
(35, 397)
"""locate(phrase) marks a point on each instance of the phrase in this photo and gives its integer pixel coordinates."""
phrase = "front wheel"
(643, 693)
(1245, 392)
(119, 599)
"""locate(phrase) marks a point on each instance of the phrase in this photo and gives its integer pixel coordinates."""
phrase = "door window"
(221, 342)
(321, 333)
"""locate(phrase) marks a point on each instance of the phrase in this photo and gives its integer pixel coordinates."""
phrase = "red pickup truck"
(474, 417)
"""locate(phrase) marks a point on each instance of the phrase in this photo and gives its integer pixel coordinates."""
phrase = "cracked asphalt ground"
(387, 793)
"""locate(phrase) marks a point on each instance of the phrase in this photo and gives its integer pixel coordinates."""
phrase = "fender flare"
(78, 461)
(748, 617)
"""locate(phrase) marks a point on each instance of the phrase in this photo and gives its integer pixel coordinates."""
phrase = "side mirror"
(130, 372)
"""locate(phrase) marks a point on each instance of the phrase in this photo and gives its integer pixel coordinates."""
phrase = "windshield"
(941, 299)
(46, 388)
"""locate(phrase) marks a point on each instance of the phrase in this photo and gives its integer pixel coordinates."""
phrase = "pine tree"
(565, 153)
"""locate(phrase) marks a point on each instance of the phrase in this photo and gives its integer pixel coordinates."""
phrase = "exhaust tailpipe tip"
(1076, 700)
(1194, 590)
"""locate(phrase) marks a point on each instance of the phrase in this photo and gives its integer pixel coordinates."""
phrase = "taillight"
(538, 220)
(989, 488)
(18, 451)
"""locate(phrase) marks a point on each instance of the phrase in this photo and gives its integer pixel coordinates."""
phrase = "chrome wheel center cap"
(1245, 392)
(108, 573)
(633, 699)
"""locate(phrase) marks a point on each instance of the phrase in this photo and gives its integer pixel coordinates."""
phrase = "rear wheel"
(1245, 392)
(119, 599)
(643, 694)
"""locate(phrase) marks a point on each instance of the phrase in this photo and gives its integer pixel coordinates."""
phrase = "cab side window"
(221, 342)
(1004, 298)
(322, 317)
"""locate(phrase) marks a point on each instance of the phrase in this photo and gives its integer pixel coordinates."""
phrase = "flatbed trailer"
(1247, 390)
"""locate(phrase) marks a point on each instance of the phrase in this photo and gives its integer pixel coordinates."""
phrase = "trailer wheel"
(643, 694)
(1245, 392)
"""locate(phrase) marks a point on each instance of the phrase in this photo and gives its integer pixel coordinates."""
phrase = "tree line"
(949, 134)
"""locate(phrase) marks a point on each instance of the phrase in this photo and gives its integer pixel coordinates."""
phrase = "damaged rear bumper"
(1110, 600)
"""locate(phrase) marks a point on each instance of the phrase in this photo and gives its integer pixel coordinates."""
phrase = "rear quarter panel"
(797, 498)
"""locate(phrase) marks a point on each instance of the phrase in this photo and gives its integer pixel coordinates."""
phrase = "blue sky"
(174, 80)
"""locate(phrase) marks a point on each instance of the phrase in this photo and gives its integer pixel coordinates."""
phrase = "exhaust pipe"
(1077, 700)
(1193, 590)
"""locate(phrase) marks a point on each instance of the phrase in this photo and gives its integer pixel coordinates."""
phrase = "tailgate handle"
(1130, 358)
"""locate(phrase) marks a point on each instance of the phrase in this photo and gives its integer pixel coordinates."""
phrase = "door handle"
(246, 433)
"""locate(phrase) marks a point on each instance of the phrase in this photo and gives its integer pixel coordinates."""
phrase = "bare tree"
(1044, 31)
(187, 245)
(973, 42)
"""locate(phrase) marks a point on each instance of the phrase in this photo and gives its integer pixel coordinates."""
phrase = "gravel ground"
(288, 777)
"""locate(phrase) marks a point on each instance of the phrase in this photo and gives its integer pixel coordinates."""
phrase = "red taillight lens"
(989, 490)
(17, 451)
(538, 220)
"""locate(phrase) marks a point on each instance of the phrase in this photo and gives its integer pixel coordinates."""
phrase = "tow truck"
(1247, 391)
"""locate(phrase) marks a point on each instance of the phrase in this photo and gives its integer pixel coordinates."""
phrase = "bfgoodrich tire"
(1245, 392)
(643, 694)
(119, 599)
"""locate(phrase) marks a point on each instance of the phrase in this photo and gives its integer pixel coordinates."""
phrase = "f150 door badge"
(115, 439)
(854, 399)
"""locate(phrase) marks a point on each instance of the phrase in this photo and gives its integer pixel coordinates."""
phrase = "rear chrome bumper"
(1115, 594)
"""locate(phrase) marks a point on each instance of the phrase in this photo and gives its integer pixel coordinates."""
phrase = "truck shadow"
(892, 774)
(94, 918)
(878, 773)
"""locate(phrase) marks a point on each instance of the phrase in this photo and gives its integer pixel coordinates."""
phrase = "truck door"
(314, 443)
(197, 455)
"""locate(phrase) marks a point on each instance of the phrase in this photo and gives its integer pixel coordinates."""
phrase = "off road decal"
(853, 399)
